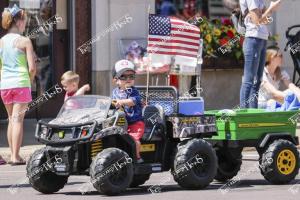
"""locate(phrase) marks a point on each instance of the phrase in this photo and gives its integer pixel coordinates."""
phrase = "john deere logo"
(253, 125)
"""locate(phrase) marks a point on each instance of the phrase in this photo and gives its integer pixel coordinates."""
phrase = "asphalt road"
(248, 184)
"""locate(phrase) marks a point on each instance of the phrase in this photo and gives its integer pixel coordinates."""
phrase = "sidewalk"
(30, 144)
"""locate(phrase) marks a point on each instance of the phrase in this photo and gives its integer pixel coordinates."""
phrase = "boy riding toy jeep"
(89, 137)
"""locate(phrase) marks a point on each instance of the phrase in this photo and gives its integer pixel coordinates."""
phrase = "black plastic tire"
(229, 163)
(139, 179)
(43, 181)
(280, 162)
(106, 174)
(188, 171)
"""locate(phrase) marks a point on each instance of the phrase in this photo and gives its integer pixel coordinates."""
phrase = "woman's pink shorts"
(16, 95)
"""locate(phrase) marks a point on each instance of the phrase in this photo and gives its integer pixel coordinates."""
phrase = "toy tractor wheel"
(229, 163)
(111, 171)
(195, 164)
(280, 162)
(40, 177)
(139, 179)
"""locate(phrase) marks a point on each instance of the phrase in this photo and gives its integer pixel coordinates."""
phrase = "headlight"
(44, 132)
(85, 131)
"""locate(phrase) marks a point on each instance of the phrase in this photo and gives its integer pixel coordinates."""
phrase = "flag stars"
(159, 25)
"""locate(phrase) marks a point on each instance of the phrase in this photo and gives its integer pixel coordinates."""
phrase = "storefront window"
(39, 29)
(183, 9)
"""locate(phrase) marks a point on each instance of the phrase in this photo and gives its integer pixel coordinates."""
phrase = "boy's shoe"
(140, 160)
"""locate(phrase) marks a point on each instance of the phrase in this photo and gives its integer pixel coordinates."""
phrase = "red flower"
(226, 21)
(230, 34)
(223, 41)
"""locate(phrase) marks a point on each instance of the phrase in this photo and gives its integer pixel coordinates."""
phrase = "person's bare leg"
(295, 89)
(17, 129)
(138, 149)
(9, 109)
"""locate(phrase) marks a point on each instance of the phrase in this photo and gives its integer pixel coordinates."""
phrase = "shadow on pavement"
(29, 186)
(142, 190)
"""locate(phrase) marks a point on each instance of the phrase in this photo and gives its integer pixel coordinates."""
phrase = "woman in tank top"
(17, 72)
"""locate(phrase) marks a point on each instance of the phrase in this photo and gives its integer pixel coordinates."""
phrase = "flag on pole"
(171, 37)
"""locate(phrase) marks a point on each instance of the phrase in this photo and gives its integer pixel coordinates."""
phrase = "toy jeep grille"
(65, 134)
(165, 96)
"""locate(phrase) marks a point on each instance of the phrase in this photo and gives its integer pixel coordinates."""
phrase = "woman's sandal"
(20, 162)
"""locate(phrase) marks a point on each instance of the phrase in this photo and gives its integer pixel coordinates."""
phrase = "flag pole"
(148, 71)
(199, 68)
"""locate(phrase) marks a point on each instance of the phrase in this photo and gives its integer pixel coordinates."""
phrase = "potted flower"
(222, 45)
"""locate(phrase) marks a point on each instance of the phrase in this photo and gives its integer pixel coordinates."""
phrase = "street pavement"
(248, 184)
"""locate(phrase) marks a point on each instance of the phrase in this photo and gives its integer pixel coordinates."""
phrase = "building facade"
(55, 43)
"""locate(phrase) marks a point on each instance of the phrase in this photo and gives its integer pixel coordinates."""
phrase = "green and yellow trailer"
(272, 134)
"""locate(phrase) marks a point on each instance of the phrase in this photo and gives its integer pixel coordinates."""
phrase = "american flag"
(172, 36)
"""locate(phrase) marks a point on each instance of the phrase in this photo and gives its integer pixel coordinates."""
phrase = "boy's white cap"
(122, 66)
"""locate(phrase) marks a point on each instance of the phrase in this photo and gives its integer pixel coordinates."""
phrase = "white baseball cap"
(122, 66)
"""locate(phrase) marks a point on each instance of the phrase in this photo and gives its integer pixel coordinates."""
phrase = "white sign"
(30, 4)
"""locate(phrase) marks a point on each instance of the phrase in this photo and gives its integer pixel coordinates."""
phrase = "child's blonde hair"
(70, 77)
(271, 54)
(8, 20)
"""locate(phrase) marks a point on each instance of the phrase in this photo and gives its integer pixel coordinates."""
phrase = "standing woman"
(17, 72)
(254, 48)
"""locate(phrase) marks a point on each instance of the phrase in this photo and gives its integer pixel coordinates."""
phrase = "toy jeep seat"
(153, 119)
(161, 101)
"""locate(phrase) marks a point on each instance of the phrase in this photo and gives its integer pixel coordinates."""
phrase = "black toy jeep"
(89, 137)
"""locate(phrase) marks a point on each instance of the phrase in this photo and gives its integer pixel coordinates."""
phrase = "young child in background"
(128, 97)
(70, 82)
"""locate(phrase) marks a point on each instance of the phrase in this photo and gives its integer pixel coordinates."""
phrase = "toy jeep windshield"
(81, 109)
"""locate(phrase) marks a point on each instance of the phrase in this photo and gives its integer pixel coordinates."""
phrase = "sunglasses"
(127, 77)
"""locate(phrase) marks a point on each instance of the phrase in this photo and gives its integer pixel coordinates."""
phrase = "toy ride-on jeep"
(273, 134)
(89, 137)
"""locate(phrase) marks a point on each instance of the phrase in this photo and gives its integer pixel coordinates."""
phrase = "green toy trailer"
(273, 134)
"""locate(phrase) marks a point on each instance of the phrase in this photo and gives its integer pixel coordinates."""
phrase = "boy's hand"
(275, 5)
(119, 103)
(124, 102)
(83, 90)
(86, 87)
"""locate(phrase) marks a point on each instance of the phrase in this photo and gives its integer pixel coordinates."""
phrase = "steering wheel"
(113, 104)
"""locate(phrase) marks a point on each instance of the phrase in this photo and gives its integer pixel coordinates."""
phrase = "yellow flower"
(217, 32)
(276, 37)
(208, 38)
(201, 29)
